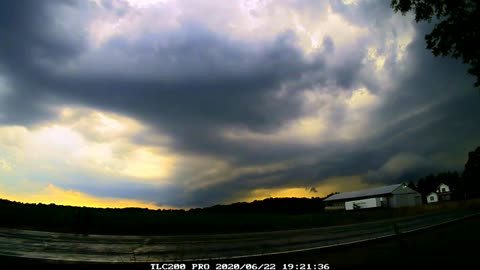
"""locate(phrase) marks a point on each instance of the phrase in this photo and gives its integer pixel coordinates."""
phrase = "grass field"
(149, 222)
(449, 244)
(453, 243)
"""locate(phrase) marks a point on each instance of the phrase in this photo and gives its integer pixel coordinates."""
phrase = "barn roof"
(364, 193)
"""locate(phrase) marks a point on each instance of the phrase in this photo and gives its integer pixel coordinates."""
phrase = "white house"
(442, 188)
(397, 195)
(441, 193)
(432, 197)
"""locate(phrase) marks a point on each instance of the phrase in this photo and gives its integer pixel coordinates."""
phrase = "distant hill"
(237, 217)
(293, 206)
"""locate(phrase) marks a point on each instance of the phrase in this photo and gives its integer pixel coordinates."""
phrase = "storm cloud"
(233, 97)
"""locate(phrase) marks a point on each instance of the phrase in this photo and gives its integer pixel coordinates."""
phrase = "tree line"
(465, 185)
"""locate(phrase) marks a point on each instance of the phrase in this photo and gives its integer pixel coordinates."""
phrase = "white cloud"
(51, 193)
(5, 165)
(361, 98)
(240, 20)
(95, 141)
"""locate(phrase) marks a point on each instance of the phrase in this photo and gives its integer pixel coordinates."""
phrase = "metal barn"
(398, 195)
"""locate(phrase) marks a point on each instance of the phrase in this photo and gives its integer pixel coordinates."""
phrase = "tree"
(457, 32)
(430, 183)
(412, 185)
(471, 174)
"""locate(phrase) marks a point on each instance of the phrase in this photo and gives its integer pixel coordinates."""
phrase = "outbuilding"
(397, 195)
(432, 197)
(442, 193)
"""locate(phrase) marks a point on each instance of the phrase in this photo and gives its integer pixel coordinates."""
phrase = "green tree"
(412, 185)
(471, 174)
(457, 29)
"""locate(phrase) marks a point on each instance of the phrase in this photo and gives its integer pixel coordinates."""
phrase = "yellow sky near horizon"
(51, 193)
(59, 196)
(323, 188)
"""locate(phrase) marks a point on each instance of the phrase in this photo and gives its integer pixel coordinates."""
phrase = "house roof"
(439, 192)
(439, 185)
(364, 193)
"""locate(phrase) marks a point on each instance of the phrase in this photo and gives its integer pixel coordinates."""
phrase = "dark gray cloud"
(194, 82)
(35, 35)
(191, 82)
(426, 124)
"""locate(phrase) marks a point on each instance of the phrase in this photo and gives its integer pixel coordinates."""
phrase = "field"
(450, 244)
(150, 222)
(454, 243)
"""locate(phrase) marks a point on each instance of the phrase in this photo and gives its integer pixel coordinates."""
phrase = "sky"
(183, 103)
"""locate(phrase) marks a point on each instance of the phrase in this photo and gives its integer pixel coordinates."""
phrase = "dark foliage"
(412, 185)
(280, 213)
(457, 29)
(292, 206)
(429, 183)
(464, 186)
(471, 174)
